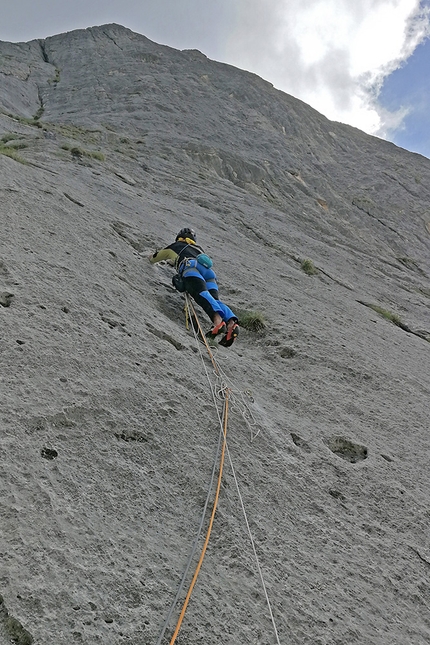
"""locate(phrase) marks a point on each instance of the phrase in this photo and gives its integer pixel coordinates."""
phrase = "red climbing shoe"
(230, 336)
(217, 329)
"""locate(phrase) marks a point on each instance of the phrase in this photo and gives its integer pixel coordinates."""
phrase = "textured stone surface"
(108, 426)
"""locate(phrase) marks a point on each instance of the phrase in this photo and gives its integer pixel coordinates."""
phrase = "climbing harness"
(224, 392)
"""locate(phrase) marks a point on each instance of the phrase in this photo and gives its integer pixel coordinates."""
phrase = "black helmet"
(186, 232)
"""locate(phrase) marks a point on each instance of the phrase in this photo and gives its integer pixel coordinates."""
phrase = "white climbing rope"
(224, 384)
(260, 572)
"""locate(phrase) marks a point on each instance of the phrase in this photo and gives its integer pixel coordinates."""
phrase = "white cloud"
(332, 54)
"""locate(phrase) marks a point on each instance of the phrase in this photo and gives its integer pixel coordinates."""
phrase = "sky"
(361, 62)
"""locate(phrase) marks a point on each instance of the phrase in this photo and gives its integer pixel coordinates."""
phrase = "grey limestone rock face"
(24, 72)
(109, 145)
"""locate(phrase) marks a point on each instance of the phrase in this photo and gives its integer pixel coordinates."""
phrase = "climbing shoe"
(217, 329)
(230, 336)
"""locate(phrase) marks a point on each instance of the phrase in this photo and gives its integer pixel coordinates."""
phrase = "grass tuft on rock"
(308, 267)
(10, 136)
(97, 155)
(56, 78)
(9, 151)
(26, 120)
(39, 113)
(394, 318)
(80, 152)
(252, 320)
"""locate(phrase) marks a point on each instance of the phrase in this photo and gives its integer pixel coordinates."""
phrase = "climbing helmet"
(186, 232)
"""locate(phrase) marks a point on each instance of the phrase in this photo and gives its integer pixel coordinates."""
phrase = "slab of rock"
(109, 426)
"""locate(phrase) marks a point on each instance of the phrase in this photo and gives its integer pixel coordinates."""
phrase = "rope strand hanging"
(224, 392)
(208, 534)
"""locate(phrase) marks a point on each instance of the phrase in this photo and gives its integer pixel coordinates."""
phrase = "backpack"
(178, 283)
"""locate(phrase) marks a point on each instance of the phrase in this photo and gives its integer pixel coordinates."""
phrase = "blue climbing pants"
(200, 283)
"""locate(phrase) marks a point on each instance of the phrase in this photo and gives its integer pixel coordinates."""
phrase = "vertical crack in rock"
(112, 39)
(46, 59)
(43, 50)
(41, 108)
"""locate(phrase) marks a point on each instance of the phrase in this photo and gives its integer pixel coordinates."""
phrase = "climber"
(194, 271)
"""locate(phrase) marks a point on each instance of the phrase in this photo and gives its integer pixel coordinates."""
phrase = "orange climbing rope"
(190, 311)
(215, 504)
